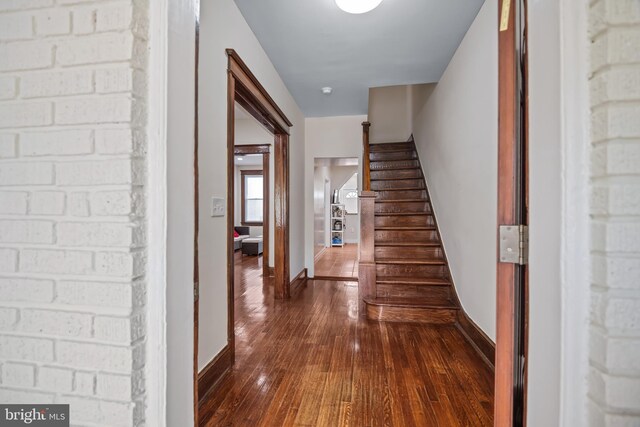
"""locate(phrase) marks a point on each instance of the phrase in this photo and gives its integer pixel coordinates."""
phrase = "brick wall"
(614, 383)
(72, 232)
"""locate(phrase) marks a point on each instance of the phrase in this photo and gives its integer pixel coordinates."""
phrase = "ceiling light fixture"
(327, 90)
(358, 6)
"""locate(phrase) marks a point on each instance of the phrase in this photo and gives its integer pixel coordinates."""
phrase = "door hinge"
(196, 291)
(514, 244)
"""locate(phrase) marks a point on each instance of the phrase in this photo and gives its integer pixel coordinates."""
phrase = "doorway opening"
(252, 196)
(336, 218)
(260, 210)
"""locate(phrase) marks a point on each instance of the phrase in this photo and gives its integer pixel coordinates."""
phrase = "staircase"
(412, 276)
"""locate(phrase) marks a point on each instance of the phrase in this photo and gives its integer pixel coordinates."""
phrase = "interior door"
(512, 278)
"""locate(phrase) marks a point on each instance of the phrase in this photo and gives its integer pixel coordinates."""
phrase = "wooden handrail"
(366, 169)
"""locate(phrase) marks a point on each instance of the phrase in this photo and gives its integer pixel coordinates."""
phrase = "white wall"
(222, 26)
(545, 211)
(390, 113)
(175, 33)
(326, 137)
(456, 137)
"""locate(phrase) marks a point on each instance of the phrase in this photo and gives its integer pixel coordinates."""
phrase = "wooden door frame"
(245, 89)
(512, 189)
(265, 151)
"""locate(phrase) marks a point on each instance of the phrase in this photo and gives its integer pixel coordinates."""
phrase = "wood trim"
(243, 174)
(244, 99)
(242, 86)
(281, 210)
(252, 149)
(241, 72)
(485, 347)
(511, 280)
(298, 281)
(196, 219)
(366, 169)
(211, 374)
(231, 90)
(265, 213)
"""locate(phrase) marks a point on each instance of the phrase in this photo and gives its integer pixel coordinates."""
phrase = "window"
(252, 197)
(349, 195)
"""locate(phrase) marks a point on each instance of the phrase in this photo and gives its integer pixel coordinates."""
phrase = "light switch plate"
(217, 206)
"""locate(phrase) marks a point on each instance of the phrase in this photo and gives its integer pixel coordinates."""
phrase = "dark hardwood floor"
(338, 262)
(314, 360)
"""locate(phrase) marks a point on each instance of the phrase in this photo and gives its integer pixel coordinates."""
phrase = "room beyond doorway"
(337, 183)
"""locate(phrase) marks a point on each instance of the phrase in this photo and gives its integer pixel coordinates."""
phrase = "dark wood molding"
(270, 271)
(485, 347)
(241, 72)
(282, 289)
(244, 88)
(266, 212)
(231, 108)
(511, 279)
(243, 174)
(211, 374)
(366, 170)
(196, 216)
(252, 149)
(298, 281)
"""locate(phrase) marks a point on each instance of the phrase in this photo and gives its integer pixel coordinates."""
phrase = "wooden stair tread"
(395, 178)
(402, 214)
(421, 302)
(410, 261)
(410, 244)
(392, 145)
(391, 168)
(403, 189)
(402, 201)
(407, 280)
(405, 227)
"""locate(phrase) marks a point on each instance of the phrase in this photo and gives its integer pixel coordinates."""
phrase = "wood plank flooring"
(338, 262)
(315, 361)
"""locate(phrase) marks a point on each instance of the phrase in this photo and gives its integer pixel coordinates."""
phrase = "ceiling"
(314, 44)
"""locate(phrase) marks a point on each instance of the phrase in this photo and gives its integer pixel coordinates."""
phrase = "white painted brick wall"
(614, 349)
(72, 212)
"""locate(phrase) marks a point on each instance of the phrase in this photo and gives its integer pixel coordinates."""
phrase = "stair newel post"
(366, 169)
(366, 261)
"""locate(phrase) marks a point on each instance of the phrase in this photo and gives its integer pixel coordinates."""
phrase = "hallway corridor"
(313, 361)
(339, 262)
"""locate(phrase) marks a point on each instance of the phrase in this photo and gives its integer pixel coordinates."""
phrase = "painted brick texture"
(614, 377)
(72, 206)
